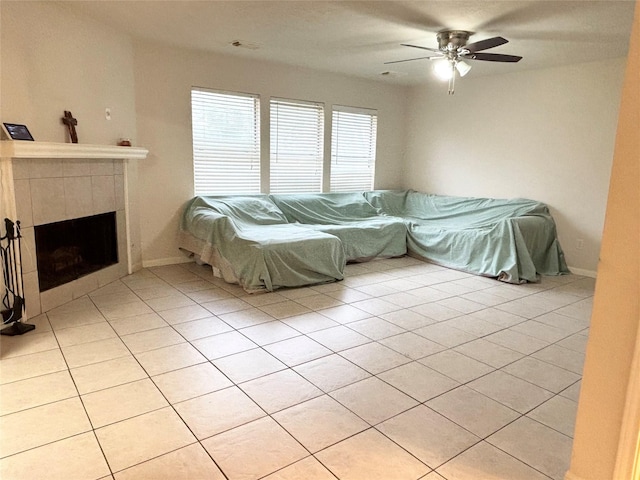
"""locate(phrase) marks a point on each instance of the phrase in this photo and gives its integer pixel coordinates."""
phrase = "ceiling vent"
(241, 44)
(391, 73)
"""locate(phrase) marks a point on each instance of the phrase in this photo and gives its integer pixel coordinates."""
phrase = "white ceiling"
(357, 37)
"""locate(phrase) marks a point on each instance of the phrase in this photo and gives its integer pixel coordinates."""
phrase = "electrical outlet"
(579, 244)
(107, 113)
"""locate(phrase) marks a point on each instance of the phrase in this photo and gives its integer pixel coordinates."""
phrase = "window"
(297, 145)
(227, 148)
(353, 148)
(226, 142)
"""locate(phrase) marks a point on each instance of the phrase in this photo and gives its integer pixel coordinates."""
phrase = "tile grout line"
(338, 352)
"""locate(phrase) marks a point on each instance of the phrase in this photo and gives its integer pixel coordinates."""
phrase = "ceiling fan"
(453, 50)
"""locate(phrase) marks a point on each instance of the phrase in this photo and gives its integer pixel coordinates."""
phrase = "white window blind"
(353, 148)
(226, 142)
(297, 131)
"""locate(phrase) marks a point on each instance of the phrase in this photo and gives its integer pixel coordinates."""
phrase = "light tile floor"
(404, 370)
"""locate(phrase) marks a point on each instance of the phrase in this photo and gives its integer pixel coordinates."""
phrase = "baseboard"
(161, 262)
(583, 272)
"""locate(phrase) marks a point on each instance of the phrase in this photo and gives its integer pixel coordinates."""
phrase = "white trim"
(7, 192)
(127, 212)
(583, 272)
(161, 262)
(23, 149)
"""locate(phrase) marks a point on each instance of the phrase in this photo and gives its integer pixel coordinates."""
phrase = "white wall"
(164, 77)
(53, 60)
(544, 134)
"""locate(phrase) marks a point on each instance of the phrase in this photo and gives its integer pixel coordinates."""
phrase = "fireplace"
(71, 249)
(43, 183)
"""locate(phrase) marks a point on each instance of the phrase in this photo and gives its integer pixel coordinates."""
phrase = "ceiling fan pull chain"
(452, 79)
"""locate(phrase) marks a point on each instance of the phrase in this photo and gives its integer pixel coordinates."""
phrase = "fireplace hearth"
(71, 249)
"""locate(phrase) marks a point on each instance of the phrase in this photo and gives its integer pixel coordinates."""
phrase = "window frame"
(246, 153)
(352, 153)
(322, 147)
(312, 140)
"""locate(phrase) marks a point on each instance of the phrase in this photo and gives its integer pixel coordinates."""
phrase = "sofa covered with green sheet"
(249, 241)
(363, 231)
(265, 242)
(513, 240)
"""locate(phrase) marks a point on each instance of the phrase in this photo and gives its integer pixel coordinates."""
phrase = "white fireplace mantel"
(24, 149)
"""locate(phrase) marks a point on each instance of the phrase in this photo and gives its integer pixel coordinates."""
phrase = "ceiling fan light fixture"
(453, 49)
(443, 69)
(462, 67)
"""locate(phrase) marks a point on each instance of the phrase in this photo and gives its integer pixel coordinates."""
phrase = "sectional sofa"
(266, 242)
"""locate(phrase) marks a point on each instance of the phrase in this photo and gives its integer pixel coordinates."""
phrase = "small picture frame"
(15, 131)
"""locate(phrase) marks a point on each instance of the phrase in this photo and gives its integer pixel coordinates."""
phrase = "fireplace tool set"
(13, 299)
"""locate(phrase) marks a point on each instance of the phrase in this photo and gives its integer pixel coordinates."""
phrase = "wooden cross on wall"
(71, 123)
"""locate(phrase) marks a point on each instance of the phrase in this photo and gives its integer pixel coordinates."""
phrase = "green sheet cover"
(514, 240)
(364, 233)
(292, 240)
(265, 252)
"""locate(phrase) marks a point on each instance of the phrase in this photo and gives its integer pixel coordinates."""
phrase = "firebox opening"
(71, 249)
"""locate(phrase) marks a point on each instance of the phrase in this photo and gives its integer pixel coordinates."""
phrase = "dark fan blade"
(493, 57)
(409, 60)
(423, 48)
(485, 44)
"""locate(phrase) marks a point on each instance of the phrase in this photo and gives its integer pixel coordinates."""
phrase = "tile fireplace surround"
(45, 182)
